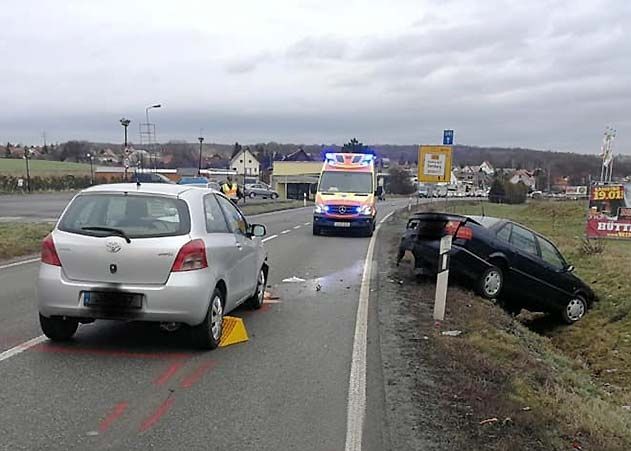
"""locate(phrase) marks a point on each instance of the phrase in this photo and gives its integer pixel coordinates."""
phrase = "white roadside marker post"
(442, 278)
(304, 199)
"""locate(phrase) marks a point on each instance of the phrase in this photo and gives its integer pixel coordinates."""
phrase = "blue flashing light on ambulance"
(345, 199)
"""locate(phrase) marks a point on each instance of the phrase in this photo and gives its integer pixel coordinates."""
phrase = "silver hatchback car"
(170, 254)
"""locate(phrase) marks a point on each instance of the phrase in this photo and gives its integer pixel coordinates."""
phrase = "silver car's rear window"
(139, 216)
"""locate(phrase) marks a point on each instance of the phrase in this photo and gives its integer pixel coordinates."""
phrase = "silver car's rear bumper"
(183, 299)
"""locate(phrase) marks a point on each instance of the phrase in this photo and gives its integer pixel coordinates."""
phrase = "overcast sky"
(540, 74)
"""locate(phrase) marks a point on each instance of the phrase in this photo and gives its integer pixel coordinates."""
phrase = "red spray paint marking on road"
(159, 413)
(196, 375)
(115, 414)
(168, 373)
(46, 347)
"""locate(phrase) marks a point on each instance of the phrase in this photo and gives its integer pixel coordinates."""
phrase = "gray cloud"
(547, 74)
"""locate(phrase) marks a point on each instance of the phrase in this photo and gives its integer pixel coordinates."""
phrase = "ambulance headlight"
(320, 208)
(365, 210)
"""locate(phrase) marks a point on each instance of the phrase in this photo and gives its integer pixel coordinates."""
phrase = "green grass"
(41, 167)
(18, 239)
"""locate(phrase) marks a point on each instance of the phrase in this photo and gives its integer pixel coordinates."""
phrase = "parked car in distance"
(168, 254)
(423, 191)
(150, 177)
(260, 189)
(504, 260)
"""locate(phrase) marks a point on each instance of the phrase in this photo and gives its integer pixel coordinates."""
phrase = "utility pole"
(244, 150)
(28, 173)
(91, 169)
(199, 165)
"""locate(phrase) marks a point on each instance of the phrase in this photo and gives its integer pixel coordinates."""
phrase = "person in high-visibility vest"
(231, 190)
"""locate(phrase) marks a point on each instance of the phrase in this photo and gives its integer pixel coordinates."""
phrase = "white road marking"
(357, 382)
(297, 227)
(22, 347)
(269, 238)
(307, 223)
(285, 231)
(23, 262)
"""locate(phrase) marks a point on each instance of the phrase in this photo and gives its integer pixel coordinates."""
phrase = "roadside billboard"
(434, 164)
(576, 192)
(609, 214)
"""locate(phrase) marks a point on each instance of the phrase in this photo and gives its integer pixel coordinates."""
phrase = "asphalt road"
(127, 386)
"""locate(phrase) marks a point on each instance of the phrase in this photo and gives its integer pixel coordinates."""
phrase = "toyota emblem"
(112, 246)
(342, 209)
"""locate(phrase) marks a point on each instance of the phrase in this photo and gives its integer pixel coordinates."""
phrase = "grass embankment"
(17, 167)
(576, 379)
(18, 239)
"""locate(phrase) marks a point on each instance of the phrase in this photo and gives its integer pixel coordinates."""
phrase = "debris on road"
(489, 421)
(451, 333)
(526, 409)
(293, 279)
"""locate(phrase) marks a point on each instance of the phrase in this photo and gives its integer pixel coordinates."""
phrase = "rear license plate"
(111, 299)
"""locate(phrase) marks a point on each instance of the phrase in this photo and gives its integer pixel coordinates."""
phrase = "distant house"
(245, 163)
(298, 155)
(487, 168)
(108, 156)
(526, 177)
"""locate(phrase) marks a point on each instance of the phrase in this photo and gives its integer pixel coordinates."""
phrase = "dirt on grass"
(495, 385)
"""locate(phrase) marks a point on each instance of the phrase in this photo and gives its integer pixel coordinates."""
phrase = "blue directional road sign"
(448, 137)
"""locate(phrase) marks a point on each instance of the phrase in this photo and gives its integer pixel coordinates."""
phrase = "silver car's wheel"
(491, 282)
(252, 195)
(256, 301)
(574, 310)
(207, 334)
(216, 318)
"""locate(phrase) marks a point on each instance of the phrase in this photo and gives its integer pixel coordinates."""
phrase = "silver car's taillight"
(190, 257)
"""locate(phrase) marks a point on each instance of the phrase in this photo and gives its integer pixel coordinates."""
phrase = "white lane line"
(307, 223)
(285, 231)
(357, 382)
(22, 347)
(297, 227)
(269, 238)
(23, 262)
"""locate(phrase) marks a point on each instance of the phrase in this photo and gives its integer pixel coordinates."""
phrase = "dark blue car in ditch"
(503, 259)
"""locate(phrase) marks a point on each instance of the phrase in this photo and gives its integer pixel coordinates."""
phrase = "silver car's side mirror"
(258, 230)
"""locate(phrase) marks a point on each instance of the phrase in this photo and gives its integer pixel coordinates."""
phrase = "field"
(42, 167)
(579, 376)
(18, 239)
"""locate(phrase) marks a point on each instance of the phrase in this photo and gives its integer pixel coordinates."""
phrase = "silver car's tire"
(274, 196)
(207, 334)
(574, 309)
(252, 195)
(491, 283)
(256, 301)
(58, 329)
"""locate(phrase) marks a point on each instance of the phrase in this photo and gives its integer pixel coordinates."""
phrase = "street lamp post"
(199, 165)
(157, 105)
(28, 172)
(125, 123)
(90, 157)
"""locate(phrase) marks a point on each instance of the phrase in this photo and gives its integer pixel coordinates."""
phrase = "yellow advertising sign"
(434, 164)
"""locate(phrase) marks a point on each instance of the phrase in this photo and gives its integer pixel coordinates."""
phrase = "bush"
(504, 192)
(9, 183)
(399, 181)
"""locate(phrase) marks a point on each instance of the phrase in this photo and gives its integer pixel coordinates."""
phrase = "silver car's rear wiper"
(118, 232)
